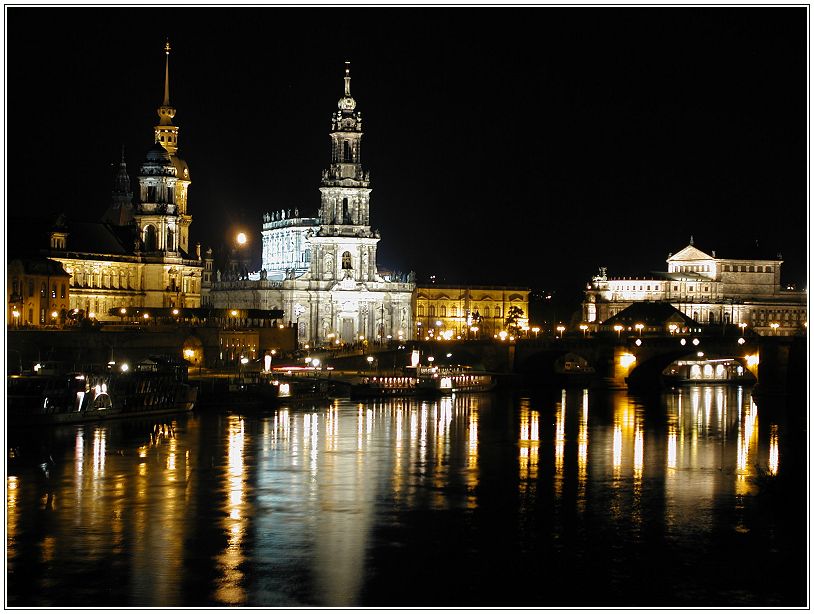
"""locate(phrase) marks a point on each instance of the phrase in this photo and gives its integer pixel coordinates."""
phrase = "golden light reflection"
(12, 514)
(774, 453)
(672, 447)
(229, 588)
(747, 439)
(638, 452)
(559, 437)
(582, 442)
(529, 444)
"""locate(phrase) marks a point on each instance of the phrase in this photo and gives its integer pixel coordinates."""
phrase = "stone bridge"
(633, 362)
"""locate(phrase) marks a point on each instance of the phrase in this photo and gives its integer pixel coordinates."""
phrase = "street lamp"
(774, 326)
(561, 330)
(584, 329)
(535, 330)
(16, 315)
(241, 238)
(639, 328)
(743, 327)
(618, 328)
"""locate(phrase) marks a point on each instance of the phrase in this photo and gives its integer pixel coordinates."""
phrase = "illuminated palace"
(466, 312)
(138, 255)
(708, 289)
(322, 270)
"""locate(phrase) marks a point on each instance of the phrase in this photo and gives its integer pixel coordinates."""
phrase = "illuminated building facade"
(708, 289)
(466, 312)
(138, 255)
(322, 270)
(38, 291)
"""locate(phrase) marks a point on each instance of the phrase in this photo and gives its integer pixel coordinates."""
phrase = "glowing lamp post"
(241, 238)
(561, 330)
(774, 326)
(16, 315)
(618, 328)
(639, 328)
(743, 327)
(535, 330)
(584, 329)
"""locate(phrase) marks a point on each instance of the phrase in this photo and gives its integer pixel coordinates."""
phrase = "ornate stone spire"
(347, 78)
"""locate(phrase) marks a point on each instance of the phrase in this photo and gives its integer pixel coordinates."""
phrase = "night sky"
(506, 146)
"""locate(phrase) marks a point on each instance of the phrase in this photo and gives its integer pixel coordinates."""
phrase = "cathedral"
(321, 271)
(139, 255)
(742, 289)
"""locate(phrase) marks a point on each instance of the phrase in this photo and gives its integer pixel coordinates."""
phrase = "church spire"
(167, 75)
(166, 111)
(347, 79)
(166, 133)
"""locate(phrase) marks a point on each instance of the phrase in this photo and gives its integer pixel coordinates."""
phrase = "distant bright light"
(125, 367)
(241, 238)
(244, 361)
(626, 360)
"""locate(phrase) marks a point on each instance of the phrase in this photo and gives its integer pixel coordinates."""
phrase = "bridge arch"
(647, 371)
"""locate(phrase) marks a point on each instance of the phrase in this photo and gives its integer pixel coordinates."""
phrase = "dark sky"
(513, 146)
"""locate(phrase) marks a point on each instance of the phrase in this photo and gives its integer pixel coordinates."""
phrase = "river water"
(583, 498)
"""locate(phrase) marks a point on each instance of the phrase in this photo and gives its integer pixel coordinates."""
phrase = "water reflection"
(320, 506)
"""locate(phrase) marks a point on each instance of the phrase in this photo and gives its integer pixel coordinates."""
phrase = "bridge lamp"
(638, 342)
(700, 354)
(683, 342)
(429, 358)
(315, 363)
(774, 326)
(241, 238)
(122, 311)
(125, 367)
(175, 312)
(618, 328)
(146, 316)
(639, 328)
(561, 330)
(438, 323)
(741, 341)
(535, 330)
(308, 360)
(672, 328)
(695, 342)
(233, 313)
(584, 329)
(743, 327)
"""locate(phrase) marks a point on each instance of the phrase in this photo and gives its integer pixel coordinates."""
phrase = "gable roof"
(690, 253)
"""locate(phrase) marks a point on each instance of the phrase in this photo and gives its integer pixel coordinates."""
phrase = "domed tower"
(157, 213)
(166, 134)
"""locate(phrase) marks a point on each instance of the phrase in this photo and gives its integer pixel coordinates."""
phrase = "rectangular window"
(30, 292)
(675, 288)
(768, 269)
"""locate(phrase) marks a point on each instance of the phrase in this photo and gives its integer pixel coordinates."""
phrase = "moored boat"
(96, 394)
(425, 381)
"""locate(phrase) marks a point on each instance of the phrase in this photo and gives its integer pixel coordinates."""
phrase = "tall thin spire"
(347, 78)
(167, 49)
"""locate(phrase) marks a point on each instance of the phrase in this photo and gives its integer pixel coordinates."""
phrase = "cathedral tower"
(345, 245)
(166, 134)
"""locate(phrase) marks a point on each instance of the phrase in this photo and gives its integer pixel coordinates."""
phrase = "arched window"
(421, 311)
(170, 239)
(497, 312)
(432, 311)
(345, 213)
(443, 311)
(347, 155)
(43, 290)
(346, 261)
(487, 312)
(149, 238)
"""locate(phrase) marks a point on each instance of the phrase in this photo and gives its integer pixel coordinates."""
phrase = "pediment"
(689, 253)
